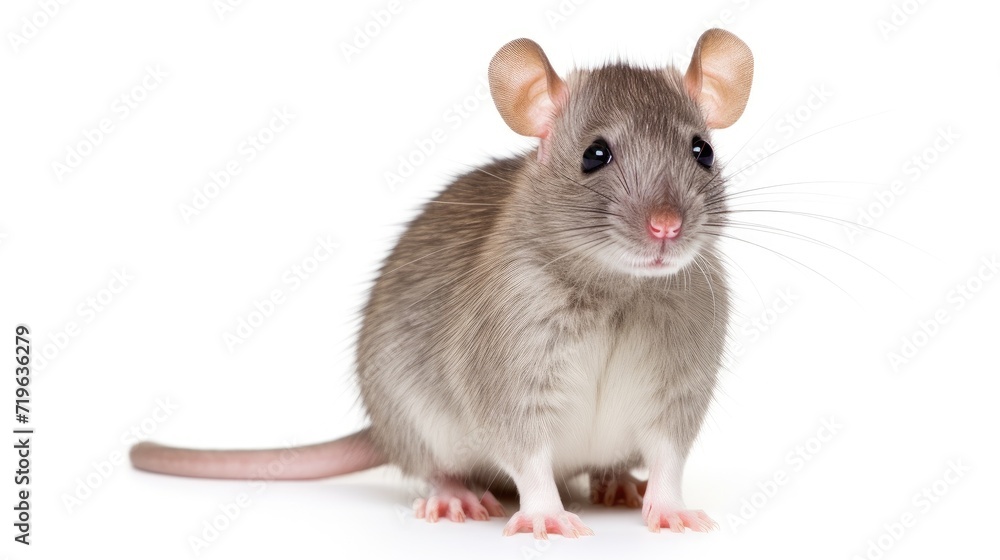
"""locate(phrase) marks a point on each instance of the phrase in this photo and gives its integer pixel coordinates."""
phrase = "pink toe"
(456, 512)
(676, 519)
(452, 500)
(538, 528)
(581, 529)
(493, 507)
(518, 524)
(595, 495)
(541, 525)
(472, 508)
(632, 497)
(433, 509)
(611, 493)
(560, 526)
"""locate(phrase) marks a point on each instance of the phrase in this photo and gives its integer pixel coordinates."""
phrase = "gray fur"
(470, 349)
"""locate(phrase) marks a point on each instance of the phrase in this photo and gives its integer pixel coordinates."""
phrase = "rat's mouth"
(663, 262)
(662, 259)
(660, 265)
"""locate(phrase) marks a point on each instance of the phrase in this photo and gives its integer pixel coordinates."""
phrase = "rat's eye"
(596, 156)
(702, 152)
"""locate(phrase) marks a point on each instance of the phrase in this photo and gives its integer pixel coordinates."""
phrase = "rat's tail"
(348, 454)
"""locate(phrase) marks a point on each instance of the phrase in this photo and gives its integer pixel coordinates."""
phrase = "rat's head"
(625, 174)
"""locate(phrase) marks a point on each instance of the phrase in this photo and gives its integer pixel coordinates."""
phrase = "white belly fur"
(601, 415)
(609, 404)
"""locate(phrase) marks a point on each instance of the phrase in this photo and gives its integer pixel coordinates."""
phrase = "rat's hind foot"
(450, 498)
(614, 489)
(676, 518)
(558, 523)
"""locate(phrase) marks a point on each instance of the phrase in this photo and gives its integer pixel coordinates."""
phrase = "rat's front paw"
(675, 518)
(541, 524)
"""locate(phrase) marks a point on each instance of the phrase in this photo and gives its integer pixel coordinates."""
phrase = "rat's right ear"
(719, 77)
(526, 90)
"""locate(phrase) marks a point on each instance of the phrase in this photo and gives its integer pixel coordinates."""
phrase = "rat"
(556, 313)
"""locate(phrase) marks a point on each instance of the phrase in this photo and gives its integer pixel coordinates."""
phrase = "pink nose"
(665, 225)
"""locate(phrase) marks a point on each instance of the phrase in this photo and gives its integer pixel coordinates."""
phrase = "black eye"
(596, 156)
(702, 152)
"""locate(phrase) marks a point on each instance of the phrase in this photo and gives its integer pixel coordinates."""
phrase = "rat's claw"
(539, 529)
(493, 507)
(674, 522)
(704, 522)
(455, 512)
(633, 498)
(433, 509)
(541, 525)
(676, 519)
(419, 508)
(617, 489)
(581, 529)
(611, 493)
(453, 500)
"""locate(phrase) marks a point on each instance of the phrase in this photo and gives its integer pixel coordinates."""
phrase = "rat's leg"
(662, 505)
(614, 488)
(452, 499)
(541, 511)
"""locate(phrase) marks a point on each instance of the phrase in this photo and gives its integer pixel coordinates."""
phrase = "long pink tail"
(345, 455)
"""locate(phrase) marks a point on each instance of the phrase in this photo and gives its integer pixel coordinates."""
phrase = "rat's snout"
(664, 224)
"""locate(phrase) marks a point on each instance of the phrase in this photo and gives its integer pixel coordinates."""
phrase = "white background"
(865, 100)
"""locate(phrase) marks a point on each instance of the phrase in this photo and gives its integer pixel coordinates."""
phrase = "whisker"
(737, 265)
(710, 289)
(831, 219)
(574, 250)
(575, 182)
(708, 184)
(827, 182)
(599, 227)
(453, 281)
(462, 203)
(600, 211)
(459, 244)
(786, 146)
(764, 228)
(782, 255)
(722, 197)
(494, 175)
(759, 129)
(621, 179)
(788, 193)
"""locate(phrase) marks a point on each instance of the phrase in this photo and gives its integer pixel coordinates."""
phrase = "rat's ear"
(719, 77)
(526, 90)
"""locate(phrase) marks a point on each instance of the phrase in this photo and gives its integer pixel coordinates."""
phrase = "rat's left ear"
(719, 77)
(526, 90)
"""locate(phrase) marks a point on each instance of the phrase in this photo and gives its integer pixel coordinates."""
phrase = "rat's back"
(405, 354)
